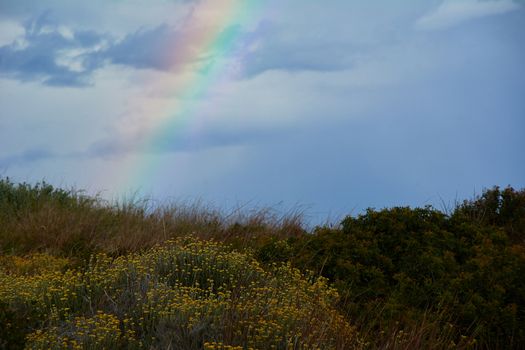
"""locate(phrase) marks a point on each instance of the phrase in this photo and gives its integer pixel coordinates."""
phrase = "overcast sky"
(334, 106)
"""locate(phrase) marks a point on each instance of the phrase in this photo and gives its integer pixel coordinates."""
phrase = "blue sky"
(337, 105)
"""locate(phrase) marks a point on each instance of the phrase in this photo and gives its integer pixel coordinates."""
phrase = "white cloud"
(454, 12)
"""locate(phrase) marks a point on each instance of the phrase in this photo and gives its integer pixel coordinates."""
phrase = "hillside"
(80, 272)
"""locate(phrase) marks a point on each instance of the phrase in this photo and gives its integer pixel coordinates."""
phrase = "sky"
(328, 107)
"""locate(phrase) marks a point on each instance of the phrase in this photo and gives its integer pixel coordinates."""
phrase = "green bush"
(401, 265)
(496, 208)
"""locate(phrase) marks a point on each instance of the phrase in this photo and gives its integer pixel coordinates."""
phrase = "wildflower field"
(77, 272)
(185, 294)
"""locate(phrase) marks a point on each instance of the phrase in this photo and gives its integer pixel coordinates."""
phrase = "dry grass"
(43, 219)
(432, 331)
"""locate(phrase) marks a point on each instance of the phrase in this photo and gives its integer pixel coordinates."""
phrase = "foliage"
(78, 271)
(402, 265)
(186, 294)
(504, 209)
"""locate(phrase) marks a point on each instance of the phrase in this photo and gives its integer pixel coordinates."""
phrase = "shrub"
(181, 295)
(400, 266)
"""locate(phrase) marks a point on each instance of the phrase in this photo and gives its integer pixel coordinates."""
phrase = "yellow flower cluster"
(220, 346)
(101, 331)
(186, 294)
(32, 265)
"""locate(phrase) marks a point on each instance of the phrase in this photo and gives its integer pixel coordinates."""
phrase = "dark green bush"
(402, 265)
(497, 208)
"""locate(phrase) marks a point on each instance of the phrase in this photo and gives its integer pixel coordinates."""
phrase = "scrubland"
(79, 272)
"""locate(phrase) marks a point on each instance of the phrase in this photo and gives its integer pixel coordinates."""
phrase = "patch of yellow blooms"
(186, 294)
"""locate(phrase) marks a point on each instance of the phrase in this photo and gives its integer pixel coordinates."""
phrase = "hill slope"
(75, 268)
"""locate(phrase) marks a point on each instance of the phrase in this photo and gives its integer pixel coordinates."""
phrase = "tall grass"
(40, 218)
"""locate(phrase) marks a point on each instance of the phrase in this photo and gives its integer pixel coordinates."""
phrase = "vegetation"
(79, 272)
(68, 223)
(186, 294)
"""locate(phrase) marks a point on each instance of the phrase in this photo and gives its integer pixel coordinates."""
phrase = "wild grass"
(41, 218)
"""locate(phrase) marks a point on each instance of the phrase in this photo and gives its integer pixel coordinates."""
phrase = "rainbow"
(205, 54)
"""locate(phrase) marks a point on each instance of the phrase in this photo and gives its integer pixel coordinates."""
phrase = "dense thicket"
(408, 277)
(465, 271)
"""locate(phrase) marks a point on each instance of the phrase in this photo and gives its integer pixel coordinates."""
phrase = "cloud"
(9, 31)
(310, 36)
(57, 55)
(315, 40)
(170, 48)
(174, 142)
(50, 53)
(272, 51)
(145, 49)
(454, 12)
(60, 56)
(118, 145)
(31, 155)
